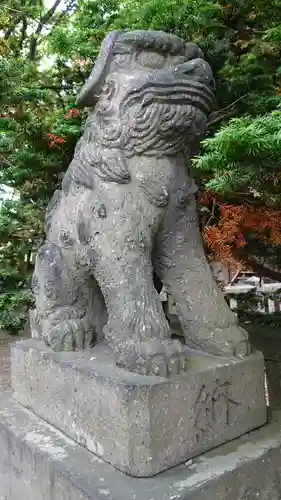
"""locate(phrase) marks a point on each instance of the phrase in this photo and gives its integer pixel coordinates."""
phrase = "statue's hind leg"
(207, 321)
(68, 304)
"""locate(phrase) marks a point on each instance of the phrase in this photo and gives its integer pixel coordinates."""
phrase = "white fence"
(266, 304)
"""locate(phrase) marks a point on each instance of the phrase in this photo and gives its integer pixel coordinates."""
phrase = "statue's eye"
(150, 59)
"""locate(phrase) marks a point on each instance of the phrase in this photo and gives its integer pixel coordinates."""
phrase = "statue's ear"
(91, 90)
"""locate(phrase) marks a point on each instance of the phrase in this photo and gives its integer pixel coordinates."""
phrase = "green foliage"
(244, 156)
(242, 161)
(37, 138)
(79, 34)
(14, 307)
(247, 308)
(19, 224)
(247, 303)
(253, 322)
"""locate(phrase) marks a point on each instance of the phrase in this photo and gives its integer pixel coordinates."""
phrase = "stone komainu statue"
(127, 209)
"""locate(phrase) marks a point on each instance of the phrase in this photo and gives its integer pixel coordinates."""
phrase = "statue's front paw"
(70, 335)
(225, 341)
(153, 357)
(241, 345)
(232, 341)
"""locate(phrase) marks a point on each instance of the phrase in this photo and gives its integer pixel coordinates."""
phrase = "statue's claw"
(70, 335)
(159, 357)
(229, 342)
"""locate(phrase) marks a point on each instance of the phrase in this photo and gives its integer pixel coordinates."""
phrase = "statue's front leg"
(207, 321)
(137, 328)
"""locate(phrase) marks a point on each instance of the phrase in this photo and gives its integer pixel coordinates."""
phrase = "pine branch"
(70, 5)
(6, 161)
(226, 112)
(258, 268)
(54, 87)
(23, 32)
(212, 216)
(17, 16)
(15, 21)
(43, 21)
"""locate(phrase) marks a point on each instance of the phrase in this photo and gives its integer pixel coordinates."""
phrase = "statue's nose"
(199, 70)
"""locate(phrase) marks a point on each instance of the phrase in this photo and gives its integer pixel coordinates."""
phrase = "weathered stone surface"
(37, 462)
(140, 424)
(126, 211)
(268, 341)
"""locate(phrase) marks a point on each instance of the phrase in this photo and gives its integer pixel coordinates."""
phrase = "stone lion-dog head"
(150, 95)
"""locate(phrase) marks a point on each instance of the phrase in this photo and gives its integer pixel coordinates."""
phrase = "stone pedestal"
(140, 424)
(268, 341)
(38, 462)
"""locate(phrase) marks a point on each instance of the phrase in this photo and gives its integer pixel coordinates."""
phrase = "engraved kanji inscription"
(215, 407)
